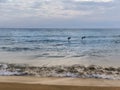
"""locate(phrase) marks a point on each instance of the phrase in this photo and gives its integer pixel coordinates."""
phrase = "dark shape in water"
(83, 37)
(69, 39)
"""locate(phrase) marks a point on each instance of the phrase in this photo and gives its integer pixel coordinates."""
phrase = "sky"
(59, 13)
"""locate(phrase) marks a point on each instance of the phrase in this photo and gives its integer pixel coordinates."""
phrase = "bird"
(69, 39)
(83, 37)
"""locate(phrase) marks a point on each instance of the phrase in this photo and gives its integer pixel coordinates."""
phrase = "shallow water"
(50, 46)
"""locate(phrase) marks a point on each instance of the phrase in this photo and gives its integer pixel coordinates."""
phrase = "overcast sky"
(60, 13)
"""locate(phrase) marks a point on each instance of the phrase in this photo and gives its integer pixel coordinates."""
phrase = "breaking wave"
(76, 71)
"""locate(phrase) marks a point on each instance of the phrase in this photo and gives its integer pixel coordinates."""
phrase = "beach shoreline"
(60, 81)
(74, 71)
(36, 83)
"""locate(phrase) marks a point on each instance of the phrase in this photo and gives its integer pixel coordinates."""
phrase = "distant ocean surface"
(100, 46)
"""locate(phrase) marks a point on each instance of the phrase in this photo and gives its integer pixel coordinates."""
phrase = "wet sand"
(35, 83)
(14, 86)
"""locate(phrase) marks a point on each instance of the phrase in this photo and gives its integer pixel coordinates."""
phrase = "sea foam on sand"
(76, 71)
(5, 70)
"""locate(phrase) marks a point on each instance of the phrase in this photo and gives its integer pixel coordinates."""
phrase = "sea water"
(46, 46)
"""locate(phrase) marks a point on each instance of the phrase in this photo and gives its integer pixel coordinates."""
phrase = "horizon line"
(56, 28)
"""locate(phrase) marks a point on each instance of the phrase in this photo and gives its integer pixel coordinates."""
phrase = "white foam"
(3, 66)
(8, 73)
(5, 72)
(58, 71)
(103, 76)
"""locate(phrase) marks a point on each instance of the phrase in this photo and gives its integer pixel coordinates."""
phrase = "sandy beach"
(14, 86)
(36, 83)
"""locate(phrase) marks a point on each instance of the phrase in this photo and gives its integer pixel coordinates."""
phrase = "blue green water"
(53, 43)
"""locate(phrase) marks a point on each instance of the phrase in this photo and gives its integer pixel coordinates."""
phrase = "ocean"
(50, 46)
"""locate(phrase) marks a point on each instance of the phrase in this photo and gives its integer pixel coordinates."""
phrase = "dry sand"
(36, 83)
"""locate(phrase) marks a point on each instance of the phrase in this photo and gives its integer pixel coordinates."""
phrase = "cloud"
(53, 8)
(67, 12)
(93, 0)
